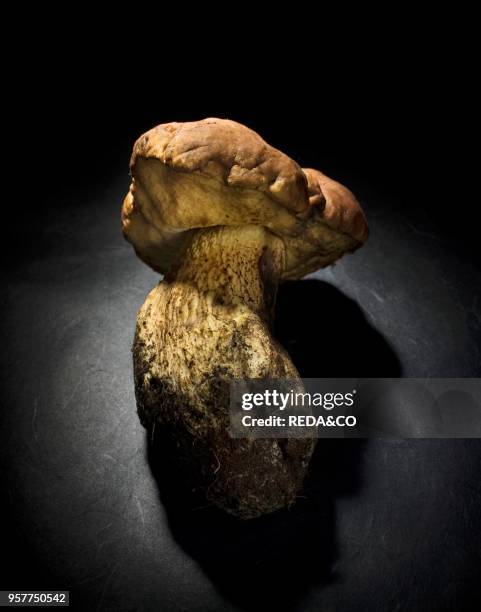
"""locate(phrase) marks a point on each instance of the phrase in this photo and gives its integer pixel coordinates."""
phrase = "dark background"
(385, 525)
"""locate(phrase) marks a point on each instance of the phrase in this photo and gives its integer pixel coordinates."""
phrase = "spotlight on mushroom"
(225, 218)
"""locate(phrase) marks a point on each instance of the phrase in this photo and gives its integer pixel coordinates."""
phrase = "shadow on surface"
(327, 335)
(271, 562)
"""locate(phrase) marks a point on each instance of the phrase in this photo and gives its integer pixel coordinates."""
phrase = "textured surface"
(227, 151)
(395, 525)
(202, 174)
(197, 331)
(217, 172)
(340, 209)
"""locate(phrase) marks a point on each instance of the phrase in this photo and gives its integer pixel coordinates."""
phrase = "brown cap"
(341, 210)
(187, 176)
(202, 174)
(333, 225)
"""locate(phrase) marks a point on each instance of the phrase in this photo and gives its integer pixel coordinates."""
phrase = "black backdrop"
(395, 119)
(400, 113)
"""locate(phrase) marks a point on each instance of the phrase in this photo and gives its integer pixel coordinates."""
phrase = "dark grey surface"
(387, 525)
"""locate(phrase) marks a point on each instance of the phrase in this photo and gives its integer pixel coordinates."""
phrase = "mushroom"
(224, 217)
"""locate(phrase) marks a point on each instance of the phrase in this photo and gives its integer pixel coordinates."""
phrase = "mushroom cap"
(188, 176)
(341, 210)
(334, 225)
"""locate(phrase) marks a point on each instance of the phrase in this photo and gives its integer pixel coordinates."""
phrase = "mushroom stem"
(231, 267)
(204, 325)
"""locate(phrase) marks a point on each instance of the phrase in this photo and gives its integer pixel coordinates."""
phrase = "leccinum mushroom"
(225, 217)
